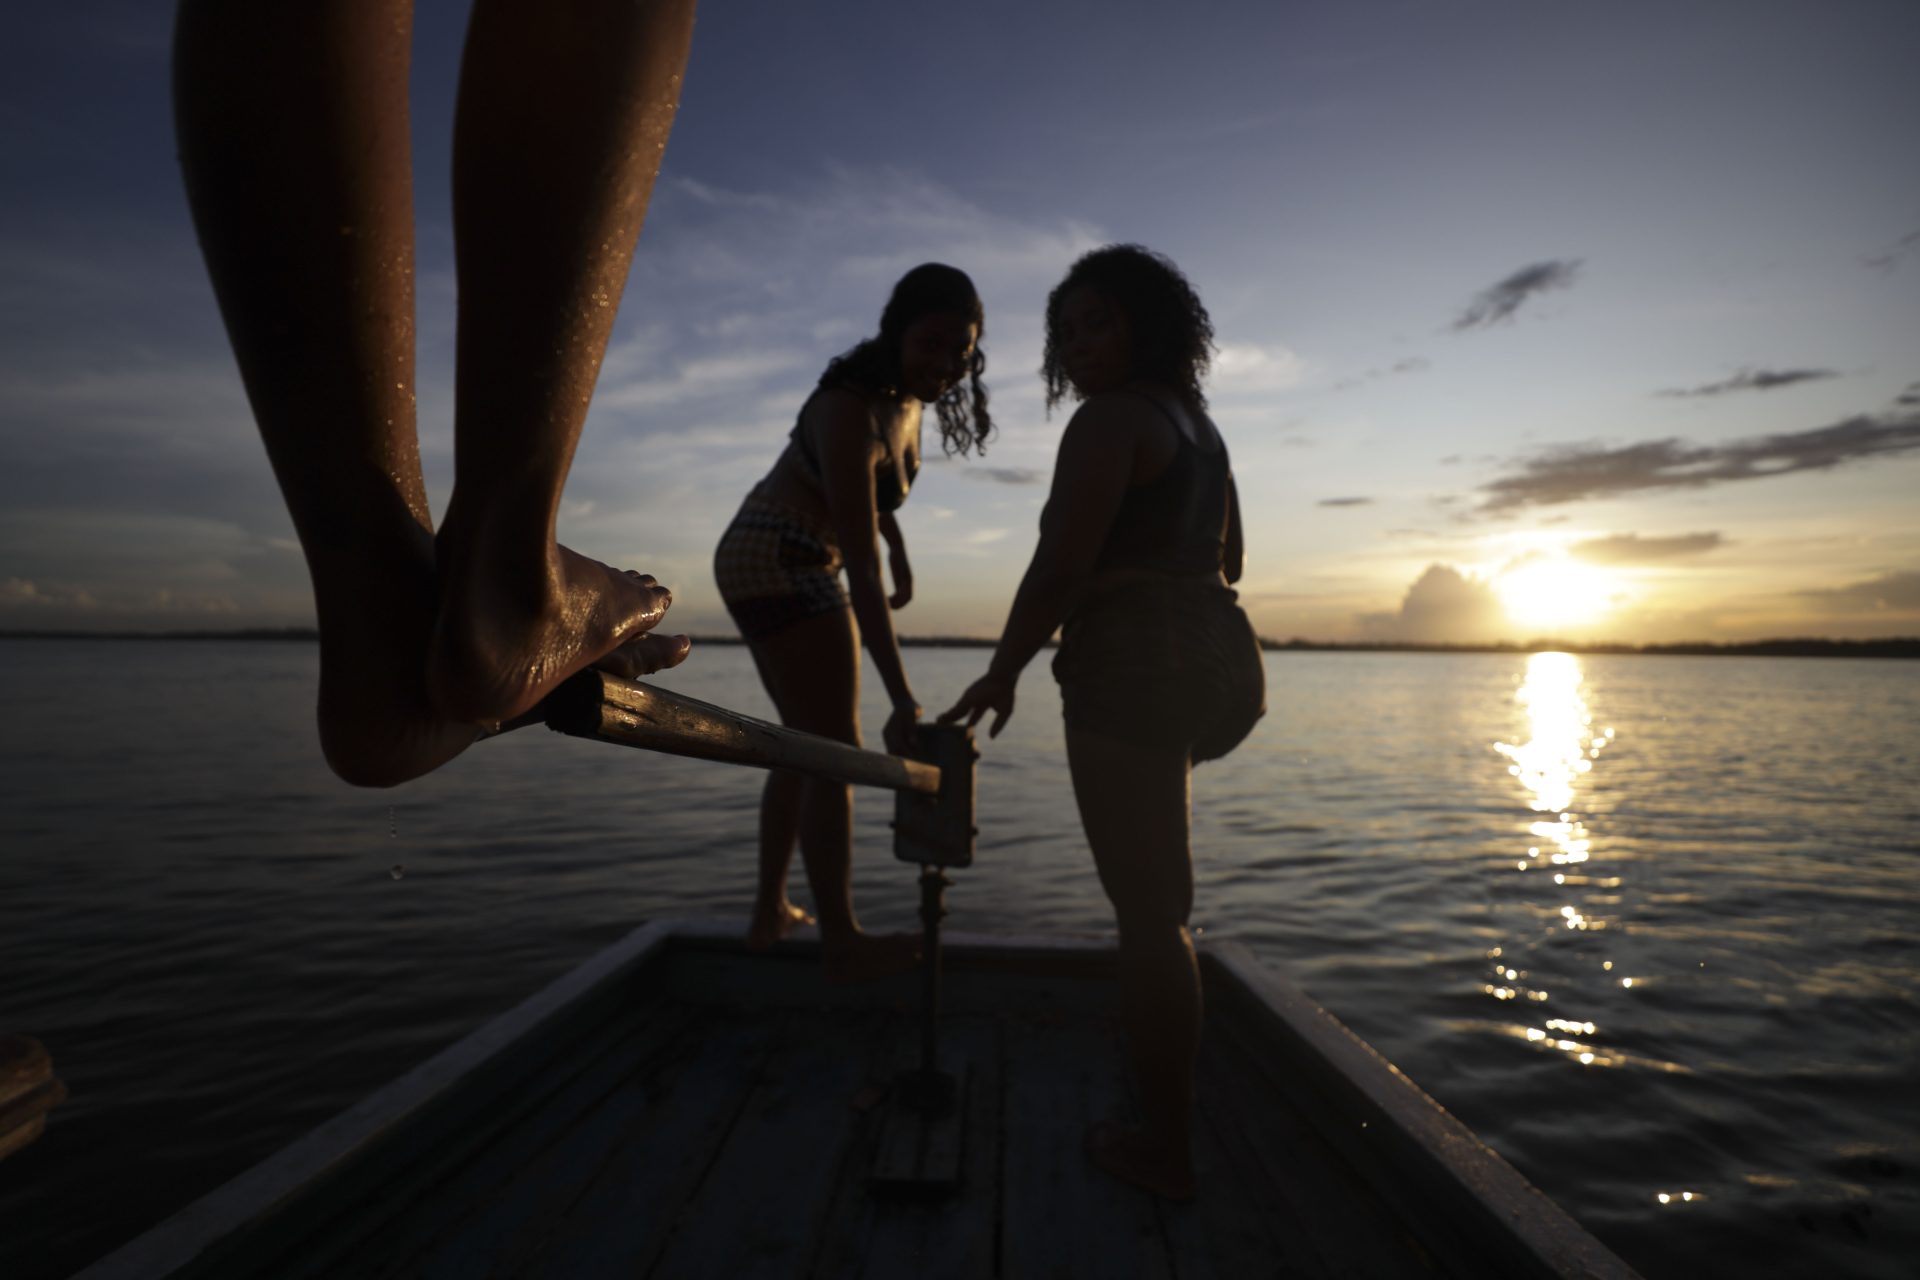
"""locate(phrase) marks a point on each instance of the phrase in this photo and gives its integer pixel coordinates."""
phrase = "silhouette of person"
(1158, 666)
(293, 132)
(826, 504)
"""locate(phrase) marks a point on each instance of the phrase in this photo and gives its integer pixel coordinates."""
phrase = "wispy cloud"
(1005, 475)
(1412, 364)
(1910, 396)
(1631, 548)
(1498, 303)
(1576, 472)
(1344, 502)
(1889, 591)
(1752, 380)
(1890, 258)
(1245, 368)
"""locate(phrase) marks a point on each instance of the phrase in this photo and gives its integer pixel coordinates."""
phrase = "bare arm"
(843, 428)
(897, 564)
(1090, 478)
(1235, 558)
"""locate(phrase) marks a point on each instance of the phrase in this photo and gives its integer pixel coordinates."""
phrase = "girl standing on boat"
(827, 503)
(1158, 666)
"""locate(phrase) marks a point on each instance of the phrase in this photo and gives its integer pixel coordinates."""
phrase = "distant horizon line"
(1780, 646)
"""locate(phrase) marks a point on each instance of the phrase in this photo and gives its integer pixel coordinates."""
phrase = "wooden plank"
(626, 1217)
(598, 705)
(1323, 1220)
(1060, 1216)
(439, 1091)
(1470, 1206)
(760, 1209)
(456, 1193)
(871, 1237)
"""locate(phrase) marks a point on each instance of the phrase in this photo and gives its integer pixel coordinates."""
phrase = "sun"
(1554, 591)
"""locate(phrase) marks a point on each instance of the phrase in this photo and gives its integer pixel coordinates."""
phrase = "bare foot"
(770, 926)
(646, 655)
(507, 630)
(1127, 1154)
(375, 605)
(864, 957)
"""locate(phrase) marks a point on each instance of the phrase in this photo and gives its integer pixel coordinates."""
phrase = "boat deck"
(677, 1107)
(723, 1123)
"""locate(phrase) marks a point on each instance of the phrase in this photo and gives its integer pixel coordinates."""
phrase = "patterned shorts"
(776, 566)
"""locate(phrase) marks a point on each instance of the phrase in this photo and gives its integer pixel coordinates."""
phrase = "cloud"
(1895, 592)
(1499, 303)
(1889, 259)
(1751, 380)
(1244, 368)
(1910, 396)
(1443, 606)
(1631, 548)
(1412, 364)
(1004, 475)
(1576, 472)
(1344, 502)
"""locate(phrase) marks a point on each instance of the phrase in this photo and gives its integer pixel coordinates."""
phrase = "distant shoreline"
(1785, 647)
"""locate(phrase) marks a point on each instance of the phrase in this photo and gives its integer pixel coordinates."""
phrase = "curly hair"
(874, 364)
(1172, 333)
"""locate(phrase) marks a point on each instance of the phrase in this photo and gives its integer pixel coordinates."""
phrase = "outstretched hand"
(991, 692)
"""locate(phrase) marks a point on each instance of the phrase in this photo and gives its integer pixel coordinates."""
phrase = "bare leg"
(812, 669)
(774, 914)
(563, 117)
(292, 125)
(1134, 803)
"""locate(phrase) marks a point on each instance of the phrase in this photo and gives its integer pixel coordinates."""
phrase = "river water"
(1648, 925)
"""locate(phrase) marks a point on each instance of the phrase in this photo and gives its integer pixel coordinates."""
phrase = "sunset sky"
(1596, 321)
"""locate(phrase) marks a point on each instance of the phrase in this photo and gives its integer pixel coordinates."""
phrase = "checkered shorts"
(776, 566)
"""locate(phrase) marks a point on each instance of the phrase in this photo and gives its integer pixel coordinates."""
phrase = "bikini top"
(1177, 521)
(893, 475)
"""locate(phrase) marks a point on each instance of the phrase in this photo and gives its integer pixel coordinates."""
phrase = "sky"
(1599, 322)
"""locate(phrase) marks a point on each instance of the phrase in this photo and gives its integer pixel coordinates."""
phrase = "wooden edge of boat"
(28, 1091)
(1450, 1186)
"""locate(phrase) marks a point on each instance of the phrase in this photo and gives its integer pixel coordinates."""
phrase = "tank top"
(1177, 521)
(893, 476)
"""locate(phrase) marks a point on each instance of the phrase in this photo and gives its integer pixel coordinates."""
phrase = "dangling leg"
(563, 117)
(292, 124)
(1134, 803)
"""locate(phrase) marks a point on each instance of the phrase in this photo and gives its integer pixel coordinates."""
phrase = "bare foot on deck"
(505, 634)
(770, 925)
(1127, 1154)
(865, 957)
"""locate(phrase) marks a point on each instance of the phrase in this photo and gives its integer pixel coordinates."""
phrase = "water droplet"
(397, 871)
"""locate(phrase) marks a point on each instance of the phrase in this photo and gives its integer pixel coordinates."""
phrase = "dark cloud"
(1576, 472)
(1911, 396)
(1343, 502)
(1443, 606)
(1631, 548)
(1904, 246)
(1005, 475)
(1890, 591)
(1752, 380)
(1500, 302)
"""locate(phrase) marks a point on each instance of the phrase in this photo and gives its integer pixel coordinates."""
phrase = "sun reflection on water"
(1552, 767)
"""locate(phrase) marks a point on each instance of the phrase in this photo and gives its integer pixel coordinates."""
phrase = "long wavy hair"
(874, 365)
(1172, 333)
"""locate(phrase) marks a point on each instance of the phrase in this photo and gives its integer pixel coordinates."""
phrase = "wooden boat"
(680, 1107)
